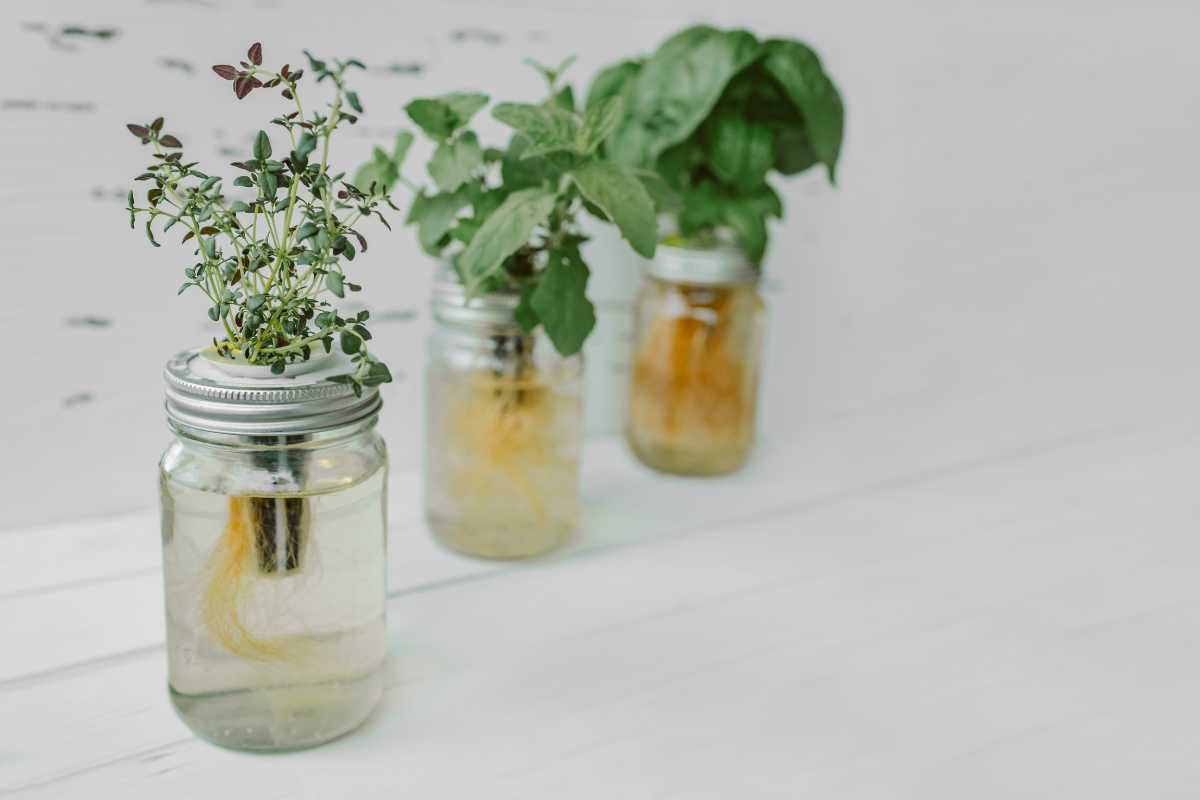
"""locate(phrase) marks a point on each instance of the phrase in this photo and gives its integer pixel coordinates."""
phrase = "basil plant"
(715, 113)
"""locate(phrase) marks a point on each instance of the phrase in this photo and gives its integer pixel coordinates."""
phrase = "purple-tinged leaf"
(156, 126)
(225, 71)
(255, 53)
(140, 131)
(242, 86)
(170, 141)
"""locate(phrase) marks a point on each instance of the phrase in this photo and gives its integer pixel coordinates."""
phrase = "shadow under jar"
(698, 330)
(274, 526)
(503, 428)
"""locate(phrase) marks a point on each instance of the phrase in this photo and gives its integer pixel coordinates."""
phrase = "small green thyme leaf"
(262, 146)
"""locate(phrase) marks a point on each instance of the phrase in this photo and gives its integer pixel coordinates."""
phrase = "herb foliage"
(267, 256)
(509, 218)
(716, 112)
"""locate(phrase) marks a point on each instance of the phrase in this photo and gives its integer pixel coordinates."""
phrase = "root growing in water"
(248, 550)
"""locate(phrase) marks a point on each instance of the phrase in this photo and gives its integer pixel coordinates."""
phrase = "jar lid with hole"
(489, 311)
(210, 393)
(720, 265)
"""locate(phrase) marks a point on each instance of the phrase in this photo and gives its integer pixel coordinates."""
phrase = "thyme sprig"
(267, 256)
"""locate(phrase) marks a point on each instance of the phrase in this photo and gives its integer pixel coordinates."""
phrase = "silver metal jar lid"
(710, 266)
(202, 394)
(490, 311)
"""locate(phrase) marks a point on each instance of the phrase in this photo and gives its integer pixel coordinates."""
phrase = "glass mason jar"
(503, 428)
(274, 524)
(698, 331)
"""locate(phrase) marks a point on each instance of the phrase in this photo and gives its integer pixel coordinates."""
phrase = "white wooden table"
(859, 614)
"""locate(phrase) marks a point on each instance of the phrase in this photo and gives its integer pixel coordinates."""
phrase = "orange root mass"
(233, 566)
(688, 387)
(507, 424)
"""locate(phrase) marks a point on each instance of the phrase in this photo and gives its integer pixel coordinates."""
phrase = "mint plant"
(715, 113)
(266, 256)
(509, 218)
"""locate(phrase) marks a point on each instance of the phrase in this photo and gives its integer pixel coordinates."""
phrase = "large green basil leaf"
(676, 89)
(793, 150)
(701, 209)
(508, 227)
(614, 81)
(740, 151)
(749, 226)
(710, 206)
(799, 71)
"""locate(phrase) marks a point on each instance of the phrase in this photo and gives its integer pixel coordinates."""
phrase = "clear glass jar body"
(694, 376)
(275, 571)
(503, 433)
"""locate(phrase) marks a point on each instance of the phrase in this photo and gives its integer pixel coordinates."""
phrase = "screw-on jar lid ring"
(719, 265)
(491, 311)
(199, 395)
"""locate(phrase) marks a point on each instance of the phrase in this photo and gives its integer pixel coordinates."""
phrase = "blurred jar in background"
(503, 429)
(695, 369)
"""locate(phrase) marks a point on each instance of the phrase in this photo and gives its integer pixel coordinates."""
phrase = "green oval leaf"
(623, 199)
(508, 227)
(548, 128)
(676, 89)
(561, 304)
(351, 344)
(799, 71)
(441, 117)
(455, 161)
(740, 151)
(262, 146)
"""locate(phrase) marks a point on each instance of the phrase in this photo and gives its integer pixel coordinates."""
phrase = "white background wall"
(1012, 240)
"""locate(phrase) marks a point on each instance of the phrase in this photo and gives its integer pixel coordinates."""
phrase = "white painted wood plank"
(853, 649)
(94, 592)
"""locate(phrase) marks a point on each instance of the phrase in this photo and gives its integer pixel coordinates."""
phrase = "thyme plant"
(268, 255)
(509, 218)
